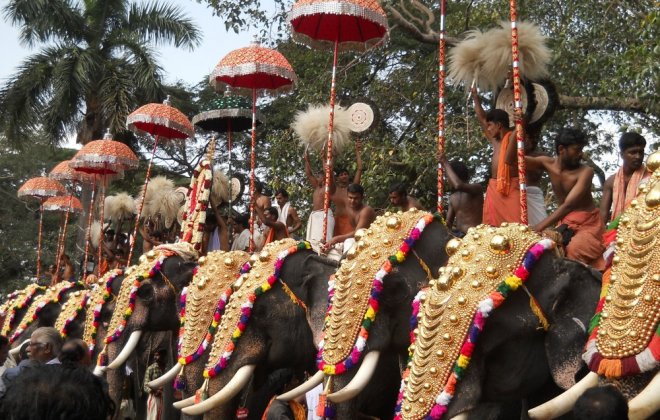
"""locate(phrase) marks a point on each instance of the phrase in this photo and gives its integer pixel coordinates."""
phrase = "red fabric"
(271, 235)
(504, 169)
(499, 208)
(621, 198)
(586, 244)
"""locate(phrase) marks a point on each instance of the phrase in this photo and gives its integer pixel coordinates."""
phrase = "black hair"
(52, 392)
(498, 116)
(273, 210)
(73, 351)
(461, 169)
(4, 341)
(339, 170)
(282, 191)
(399, 188)
(602, 403)
(243, 220)
(259, 186)
(355, 189)
(631, 139)
(570, 136)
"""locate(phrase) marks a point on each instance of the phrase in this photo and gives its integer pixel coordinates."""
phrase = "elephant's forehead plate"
(96, 299)
(478, 263)
(71, 308)
(262, 267)
(216, 274)
(354, 280)
(631, 311)
(50, 295)
(19, 302)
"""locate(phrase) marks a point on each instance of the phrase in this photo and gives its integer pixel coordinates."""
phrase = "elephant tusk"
(184, 403)
(240, 379)
(165, 379)
(13, 352)
(99, 371)
(646, 403)
(361, 379)
(564, 403)
(462, 416)
(130, 345)
(303, 388)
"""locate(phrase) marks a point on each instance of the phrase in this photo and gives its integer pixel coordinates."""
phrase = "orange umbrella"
(64, 203)
(252, 69)
(341, 25)
(64, 172)
(104, 159)
(40, 188)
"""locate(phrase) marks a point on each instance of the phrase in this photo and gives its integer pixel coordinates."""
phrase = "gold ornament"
(452, 246)
(653, 161)
(70, 308)
(500, 244)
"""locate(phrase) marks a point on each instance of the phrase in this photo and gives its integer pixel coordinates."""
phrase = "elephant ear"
(146, 292)
(573, 307)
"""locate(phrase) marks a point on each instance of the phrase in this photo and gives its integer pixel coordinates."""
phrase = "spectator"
(601, 403)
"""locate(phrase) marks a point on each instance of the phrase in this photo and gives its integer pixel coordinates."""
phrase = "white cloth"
(214, 241)
(536, 211)
(283, 213)
(260, 235)
(242, 242)
(312, 400)
(315, 228)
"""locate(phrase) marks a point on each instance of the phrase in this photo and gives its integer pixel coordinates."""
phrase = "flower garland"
(30, 291)
(376, 289)
(484, 309)
(41, 303)
(194, 215)
(246, 308)
(64, 331)
(96, 311)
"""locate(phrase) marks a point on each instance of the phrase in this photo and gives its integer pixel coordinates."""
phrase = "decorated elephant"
(478, 347)
(266, 325)
(17, 304)
(624, 343)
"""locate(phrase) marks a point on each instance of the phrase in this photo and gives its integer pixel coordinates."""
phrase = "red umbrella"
(40, 188)
(159, 120)
(253, 69)
(105, 160)
(341, 25)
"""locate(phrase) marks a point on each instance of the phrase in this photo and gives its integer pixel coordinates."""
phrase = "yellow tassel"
(536, 310)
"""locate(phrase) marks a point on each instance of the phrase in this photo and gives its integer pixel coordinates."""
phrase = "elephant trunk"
(126, 352)
(165, 379)
(564, 403)
(235, 385)
(303, 388)
(361, 379)
(646, 403)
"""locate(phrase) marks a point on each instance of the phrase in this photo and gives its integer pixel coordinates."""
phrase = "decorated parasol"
(159, 120)
(355, 25)
(40, 188)
(227, 114)
(105, 160)
(66, 205)
(253, 69)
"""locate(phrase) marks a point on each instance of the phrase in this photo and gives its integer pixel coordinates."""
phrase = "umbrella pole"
(101, 219)
(41, 224)
(133, 237)
(517, 101)
(253, 164)
(328, 162)
(229, 224)
(60, 247)
(88, 235)
(441, 102)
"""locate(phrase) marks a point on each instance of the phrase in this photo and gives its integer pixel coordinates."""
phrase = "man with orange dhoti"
(502, 202)
(621, 188)
(270, 218)
(576, 212)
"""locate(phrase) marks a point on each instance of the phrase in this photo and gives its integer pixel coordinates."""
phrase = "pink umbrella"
(253, 69)
(105, 160)
(341, 25)
(40, 188)
(159, 120)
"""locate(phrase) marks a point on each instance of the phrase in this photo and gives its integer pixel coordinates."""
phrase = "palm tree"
(97, 64)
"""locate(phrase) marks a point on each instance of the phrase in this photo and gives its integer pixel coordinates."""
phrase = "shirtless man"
(262, 202)
(467, 200)
(399, 198)
(571, 182)
(314, 233)
(277, 229)
(360, 217)
(340, 194)
(502, 202)
(287, 213)
(621, 188)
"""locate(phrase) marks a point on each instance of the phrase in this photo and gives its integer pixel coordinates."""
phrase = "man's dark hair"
(498, 116)
(601, 403)
(569, 136)
(73, 351)
(243, 220)
(283, 192)
(273, 211)
(461, 170)
(339, 170)
(399, 188)
(52, 392)
(259, 186)
(4, 341)
(355, 189)
(631, 139)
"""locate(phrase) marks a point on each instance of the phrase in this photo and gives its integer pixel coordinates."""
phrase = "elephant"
(17, 305)
(277, 337)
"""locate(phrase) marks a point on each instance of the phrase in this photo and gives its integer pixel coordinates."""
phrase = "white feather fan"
(220, 188)
(95, 234)
(162, 200)
(119, 206)
(311, 126)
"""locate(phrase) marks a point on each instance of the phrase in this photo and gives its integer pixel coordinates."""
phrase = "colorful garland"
(194, 215)
(376, 289)
(107, 292)
(484, 309)
(246, 308)
(64, 331)
(30, 291)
